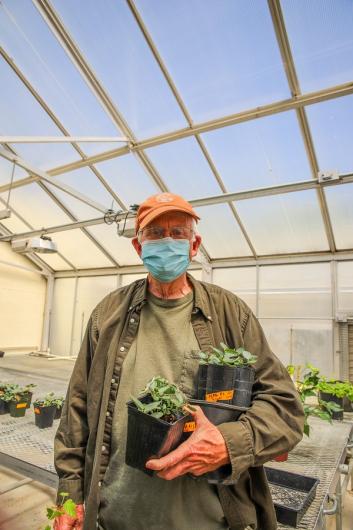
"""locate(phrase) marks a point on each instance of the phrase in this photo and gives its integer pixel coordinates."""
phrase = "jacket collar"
(139, 296)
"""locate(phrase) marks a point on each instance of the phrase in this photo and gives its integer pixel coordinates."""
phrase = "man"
(155, 327)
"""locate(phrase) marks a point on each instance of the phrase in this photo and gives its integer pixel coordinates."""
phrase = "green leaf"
(48, 528)
(307, 429)
(69, 507)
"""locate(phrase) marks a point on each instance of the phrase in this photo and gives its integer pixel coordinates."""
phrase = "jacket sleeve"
(274, 423)
(72, 434)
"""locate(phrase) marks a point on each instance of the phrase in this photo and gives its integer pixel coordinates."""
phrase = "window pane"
(257, 153)
(126, 279)
(184, 169)
(132, 78)
(240, 280)
(220, 232)
(302, 342)
(339, 201)
(284, 223)
(331, 125)
(119, 247)
(345, 286)
(40, 57)
(22, 115)
(128, 179)
(222, 55)
(295, 291)
(78, 249)
(320, 35)
(6, 168)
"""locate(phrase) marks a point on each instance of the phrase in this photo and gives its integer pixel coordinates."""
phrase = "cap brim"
(165, 208)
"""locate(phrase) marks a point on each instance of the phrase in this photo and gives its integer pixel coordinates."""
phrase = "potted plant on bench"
(333, 391)
(6, 394)
(45, 410)
(18, 402)
(155, 422)
(226, 376)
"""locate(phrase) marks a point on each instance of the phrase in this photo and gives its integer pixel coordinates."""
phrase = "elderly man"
(153, 327)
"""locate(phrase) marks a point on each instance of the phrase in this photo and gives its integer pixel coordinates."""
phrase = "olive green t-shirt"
(130, 499)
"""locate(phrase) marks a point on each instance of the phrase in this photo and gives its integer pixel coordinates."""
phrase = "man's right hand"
(66, 522)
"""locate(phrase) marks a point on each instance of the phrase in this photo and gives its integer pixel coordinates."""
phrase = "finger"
(171, 459)
(175, 471)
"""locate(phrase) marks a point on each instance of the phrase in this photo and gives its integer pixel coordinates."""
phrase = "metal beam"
(43, 176)
(60, 126)
(60, 139)
(288, 62)
(303, 100)
(206, 201)
(270, 260)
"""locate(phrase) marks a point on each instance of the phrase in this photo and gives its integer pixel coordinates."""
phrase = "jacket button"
(113, 380)
(100, 483)
(122, 348)
(209, 317)
(107, 413)
(103, 448)
(132, 320)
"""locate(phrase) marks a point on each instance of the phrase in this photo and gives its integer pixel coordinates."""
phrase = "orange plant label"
(21, 405)
(221, 395)
(189, 426)
(37, 410)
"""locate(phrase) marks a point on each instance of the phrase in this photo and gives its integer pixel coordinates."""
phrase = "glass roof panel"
(223, 55)
(340, 201)
(28, 40)
(284, 223)
(22, 115)
(257, 153)
(128, 179)
(320, 35)
(220, 232)
(83, 181)
(6, 171)
(36, 206)
(78, 249)
(123, 63)
(331, 124)
(119, 247)
(184, 169)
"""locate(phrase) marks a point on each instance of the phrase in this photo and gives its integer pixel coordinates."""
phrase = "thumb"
(198, 414)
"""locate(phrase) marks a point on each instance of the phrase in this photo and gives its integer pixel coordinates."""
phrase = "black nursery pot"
(226, 384)
(216, 413)
(4, 407)
(44, 416)
(149, 437)
(2, 353)
(18, 408)
(325, 396)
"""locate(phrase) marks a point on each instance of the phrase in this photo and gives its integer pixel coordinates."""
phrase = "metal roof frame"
(297, 102)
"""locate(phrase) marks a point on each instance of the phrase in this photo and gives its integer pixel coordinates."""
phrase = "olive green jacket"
(273, 424)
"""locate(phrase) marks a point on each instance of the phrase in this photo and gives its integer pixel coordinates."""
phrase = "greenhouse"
(176, 257)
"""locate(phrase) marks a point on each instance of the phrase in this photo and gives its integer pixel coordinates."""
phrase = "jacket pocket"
(189, 373)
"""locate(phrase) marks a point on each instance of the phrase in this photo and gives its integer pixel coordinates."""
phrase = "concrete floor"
(24, 508)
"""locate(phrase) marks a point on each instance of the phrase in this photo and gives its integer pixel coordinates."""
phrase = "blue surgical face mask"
(166, 259)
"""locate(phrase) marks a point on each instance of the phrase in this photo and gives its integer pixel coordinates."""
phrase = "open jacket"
(272, 425)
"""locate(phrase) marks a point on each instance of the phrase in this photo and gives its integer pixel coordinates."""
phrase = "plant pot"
(2, 353)
(18, 408)
(202, 381)
(58, 411)
(325, 396)
(216, 413)
(347, 405)
(226, 384)
(281, 458)
(44, 416)
(4, 407)
(149, 437)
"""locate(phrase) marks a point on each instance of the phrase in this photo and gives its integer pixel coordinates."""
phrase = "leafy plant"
(67, 507)
(228, 357)
(167, 399)
(49, 400)
(336, 388)
(8, 391)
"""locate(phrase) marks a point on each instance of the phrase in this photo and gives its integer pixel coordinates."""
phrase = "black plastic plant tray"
(292, 494)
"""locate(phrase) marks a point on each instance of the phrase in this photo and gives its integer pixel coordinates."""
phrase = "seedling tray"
(292, 494)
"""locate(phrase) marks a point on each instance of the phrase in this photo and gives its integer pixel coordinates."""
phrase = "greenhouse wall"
(22, 302)
(296, 305)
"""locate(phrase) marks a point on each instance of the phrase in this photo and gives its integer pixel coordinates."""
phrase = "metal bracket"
(333, 510)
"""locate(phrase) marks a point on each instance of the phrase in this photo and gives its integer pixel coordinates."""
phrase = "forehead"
(172, 218)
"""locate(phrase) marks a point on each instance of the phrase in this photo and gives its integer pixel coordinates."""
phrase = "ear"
(194, 247)
(136, 245)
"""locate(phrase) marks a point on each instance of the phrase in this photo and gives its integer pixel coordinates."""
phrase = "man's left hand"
(204, 451)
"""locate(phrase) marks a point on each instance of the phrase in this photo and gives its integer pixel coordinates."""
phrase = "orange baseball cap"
(158, 204)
